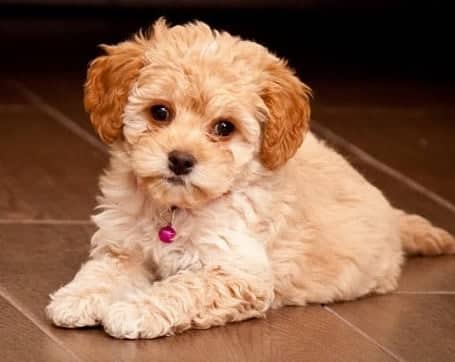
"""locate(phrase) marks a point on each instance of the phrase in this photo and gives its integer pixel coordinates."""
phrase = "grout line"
(430, 292)
(367, 158)
(54, 113)
(363, 334)
(11, 300)
(44, 222)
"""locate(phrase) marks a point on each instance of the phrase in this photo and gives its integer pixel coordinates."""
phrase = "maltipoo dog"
(219, 203)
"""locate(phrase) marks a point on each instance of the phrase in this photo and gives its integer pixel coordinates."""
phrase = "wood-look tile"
(398, 193)
(408, 126)
(21, 340)
(414, 327)
(46, 170)
(63, 92)
(422, 274)
(37, 259)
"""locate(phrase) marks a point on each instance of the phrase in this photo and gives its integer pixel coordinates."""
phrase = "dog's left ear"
(288, 114)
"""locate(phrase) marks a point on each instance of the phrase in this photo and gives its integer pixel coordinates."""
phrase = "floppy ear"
(109, 79)
(287, 101)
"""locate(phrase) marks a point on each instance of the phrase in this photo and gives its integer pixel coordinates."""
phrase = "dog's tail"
(420, 237)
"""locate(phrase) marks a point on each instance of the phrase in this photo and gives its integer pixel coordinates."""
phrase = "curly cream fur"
(269, 217)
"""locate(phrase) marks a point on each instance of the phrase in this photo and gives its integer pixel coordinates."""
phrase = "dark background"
(320, 38)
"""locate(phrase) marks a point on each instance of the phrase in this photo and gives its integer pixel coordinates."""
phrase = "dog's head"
(198, 110)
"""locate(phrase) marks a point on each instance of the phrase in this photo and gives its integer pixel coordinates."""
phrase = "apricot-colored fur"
(268, 217)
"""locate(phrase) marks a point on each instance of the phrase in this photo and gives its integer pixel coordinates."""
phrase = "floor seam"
(17, 305)
(384, 168)
(363, 334)
(57, 115)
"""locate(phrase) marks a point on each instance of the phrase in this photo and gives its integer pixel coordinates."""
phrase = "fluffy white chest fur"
(266, 214)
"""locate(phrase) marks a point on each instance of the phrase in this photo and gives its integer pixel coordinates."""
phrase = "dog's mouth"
(179, 191)
(175, 180)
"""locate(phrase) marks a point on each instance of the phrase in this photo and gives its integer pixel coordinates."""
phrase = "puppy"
(219, 203)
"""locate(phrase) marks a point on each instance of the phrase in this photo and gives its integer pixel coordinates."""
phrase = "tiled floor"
(401, 135)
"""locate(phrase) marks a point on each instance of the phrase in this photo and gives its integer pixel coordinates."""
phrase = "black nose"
(181, 163)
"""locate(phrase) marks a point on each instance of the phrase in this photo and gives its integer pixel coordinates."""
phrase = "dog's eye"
(223, 128)
(160, 113)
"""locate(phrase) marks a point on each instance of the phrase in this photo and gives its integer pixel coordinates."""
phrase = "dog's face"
(198, 111)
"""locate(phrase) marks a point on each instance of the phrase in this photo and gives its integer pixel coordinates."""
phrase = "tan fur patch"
(108, 83)
(287, 100)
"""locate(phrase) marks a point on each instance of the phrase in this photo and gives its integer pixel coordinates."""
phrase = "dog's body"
(279, 219)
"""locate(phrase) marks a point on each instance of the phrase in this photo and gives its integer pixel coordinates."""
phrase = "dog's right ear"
(109, 79)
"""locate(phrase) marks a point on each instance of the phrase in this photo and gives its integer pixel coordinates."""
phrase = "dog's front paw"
(73, 311)
(129, 320)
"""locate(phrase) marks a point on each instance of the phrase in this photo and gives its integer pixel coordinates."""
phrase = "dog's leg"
(200, 299)
(83, 301)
